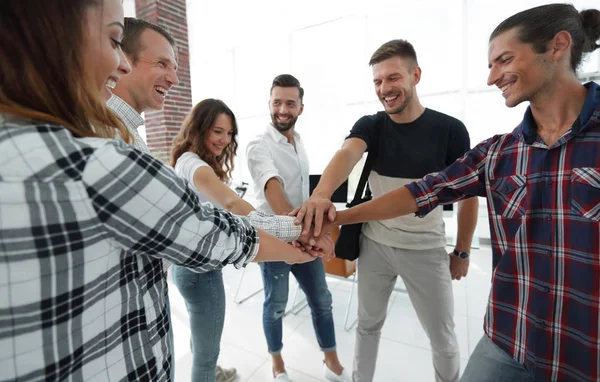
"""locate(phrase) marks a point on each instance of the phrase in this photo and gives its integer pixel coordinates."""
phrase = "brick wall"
(163, 125)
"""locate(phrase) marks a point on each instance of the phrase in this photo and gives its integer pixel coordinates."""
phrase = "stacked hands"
(316, 237)
(316, 233)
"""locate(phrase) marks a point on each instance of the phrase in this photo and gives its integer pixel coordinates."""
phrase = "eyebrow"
(498, 57)
(119, 24)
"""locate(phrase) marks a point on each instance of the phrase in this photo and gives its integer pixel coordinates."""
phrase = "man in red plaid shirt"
(542, 183)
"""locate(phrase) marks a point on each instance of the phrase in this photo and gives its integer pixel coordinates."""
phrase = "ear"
(301, 109)
(416, 74)
(560, 46)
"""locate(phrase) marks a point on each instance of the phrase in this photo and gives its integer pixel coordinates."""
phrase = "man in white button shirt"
(279, 168)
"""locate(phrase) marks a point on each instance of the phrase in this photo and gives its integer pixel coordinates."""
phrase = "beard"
(409, 96)
(282, 127)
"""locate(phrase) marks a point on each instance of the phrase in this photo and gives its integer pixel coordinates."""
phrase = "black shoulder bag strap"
(371, 158)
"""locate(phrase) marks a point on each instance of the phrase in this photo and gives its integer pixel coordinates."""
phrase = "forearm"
(393, 204)
(273, 249)
(282, 227)
(467, 221)
(238, 206)
(335, 173)
(276, 197)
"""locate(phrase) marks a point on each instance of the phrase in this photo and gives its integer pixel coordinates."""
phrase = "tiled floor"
(404, 353)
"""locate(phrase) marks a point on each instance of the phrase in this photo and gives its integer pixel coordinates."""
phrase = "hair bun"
(591, 25)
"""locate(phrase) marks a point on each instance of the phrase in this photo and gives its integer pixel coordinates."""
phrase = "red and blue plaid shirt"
(544, 212)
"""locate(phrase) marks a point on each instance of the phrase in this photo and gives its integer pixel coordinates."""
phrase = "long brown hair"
(195, 129)
(42, 74)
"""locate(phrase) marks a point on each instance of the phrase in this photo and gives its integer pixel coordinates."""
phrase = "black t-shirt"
(412, 150)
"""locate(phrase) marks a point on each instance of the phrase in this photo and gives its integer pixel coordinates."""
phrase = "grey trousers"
(426, 276)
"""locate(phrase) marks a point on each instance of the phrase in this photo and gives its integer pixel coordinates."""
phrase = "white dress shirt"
(271, 156)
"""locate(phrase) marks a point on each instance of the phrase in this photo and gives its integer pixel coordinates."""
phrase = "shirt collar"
(277, 136)
(130, 117)
(592, 101)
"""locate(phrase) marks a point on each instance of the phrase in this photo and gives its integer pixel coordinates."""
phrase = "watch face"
(462, 255)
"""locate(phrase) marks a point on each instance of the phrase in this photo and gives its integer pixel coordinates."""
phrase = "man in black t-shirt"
(411, 141)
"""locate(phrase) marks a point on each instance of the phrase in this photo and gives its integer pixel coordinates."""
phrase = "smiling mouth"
(390, 99)
(111, 83)
(507, 86)
(160, 90)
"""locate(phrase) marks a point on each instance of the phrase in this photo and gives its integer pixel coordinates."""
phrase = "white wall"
(238, 47)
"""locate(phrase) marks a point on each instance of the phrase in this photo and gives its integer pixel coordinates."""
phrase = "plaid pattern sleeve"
(282, 227)
(84, 227)
(134, 194)
(544, 214)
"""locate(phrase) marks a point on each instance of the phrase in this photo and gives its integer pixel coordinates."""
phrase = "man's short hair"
(288, 81)
(132, 44)
(394, 48)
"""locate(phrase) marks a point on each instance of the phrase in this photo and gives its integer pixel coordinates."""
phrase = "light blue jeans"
(489, 363)
(311, 277)
(204, 297)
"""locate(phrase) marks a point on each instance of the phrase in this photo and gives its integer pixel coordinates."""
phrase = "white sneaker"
(226, 375)
(282, 377)
(333, 377)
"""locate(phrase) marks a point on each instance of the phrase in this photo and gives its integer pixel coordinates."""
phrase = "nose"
(384, 88)
(493, 76)
(124, 67)
(172, 77)
(283, 109)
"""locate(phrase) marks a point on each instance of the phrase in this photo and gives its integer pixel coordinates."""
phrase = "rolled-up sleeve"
(282, 227)
(149, 210)
(462, 179)
(261, 164)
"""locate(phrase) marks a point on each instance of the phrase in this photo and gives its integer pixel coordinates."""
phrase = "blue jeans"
(204, 297)
(489, 363)
(311, 277)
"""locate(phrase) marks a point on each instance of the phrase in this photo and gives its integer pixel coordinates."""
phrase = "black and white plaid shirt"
(84, 224)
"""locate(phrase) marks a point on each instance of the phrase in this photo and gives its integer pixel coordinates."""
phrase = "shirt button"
(548, 253)
(549, 180)
(541, 324)
(546, 289)
(548, 217)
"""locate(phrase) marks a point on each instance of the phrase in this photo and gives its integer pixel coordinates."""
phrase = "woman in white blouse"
(203, 153)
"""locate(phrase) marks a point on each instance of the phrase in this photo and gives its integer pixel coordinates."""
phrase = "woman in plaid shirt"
(84, 221)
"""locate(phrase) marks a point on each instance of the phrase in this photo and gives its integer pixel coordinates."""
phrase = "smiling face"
(285, 106)
(152, 75)
(517, 70)
(102, 51)
(395, 80)
(220, 135)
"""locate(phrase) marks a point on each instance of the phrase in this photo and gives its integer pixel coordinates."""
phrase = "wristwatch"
(462, 255)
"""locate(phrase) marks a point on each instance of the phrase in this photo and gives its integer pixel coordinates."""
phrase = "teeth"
(503, 88)
(387, 99)
(111, 83)
(161, 90)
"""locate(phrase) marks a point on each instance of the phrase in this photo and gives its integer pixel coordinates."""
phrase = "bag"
(347, 243)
